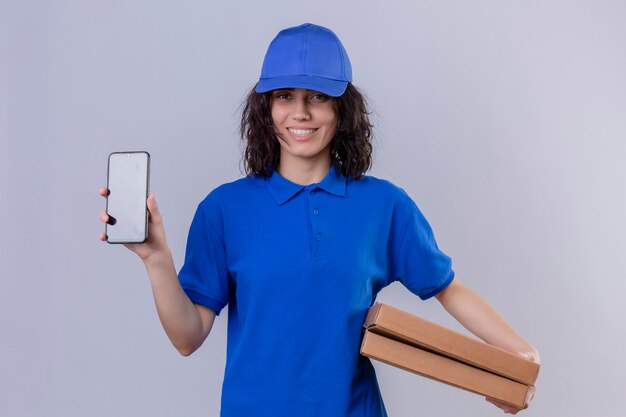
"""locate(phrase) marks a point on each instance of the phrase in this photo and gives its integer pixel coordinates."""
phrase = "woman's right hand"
(186, 324)
(156, 242)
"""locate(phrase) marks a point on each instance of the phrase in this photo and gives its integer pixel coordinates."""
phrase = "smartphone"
(128, 181)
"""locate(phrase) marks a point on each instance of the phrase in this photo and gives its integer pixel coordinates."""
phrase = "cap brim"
(333, 88)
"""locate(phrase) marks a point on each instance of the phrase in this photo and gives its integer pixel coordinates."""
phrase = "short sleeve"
(417, 262)
(204, 275)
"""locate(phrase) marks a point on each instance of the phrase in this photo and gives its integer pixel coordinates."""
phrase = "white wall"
(504, 120)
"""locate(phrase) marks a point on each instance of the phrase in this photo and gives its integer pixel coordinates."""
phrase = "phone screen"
(128, 184)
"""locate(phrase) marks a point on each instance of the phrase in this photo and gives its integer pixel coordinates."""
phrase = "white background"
(504, 120)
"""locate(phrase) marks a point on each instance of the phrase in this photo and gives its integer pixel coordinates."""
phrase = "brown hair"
(351, 148)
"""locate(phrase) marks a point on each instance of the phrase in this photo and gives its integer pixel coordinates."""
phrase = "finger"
(104, 192)
(507, 408)
(103, 237)
(529, 396)
(104, 216)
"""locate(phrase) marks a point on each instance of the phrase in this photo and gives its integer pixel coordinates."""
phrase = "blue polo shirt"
(298, 267)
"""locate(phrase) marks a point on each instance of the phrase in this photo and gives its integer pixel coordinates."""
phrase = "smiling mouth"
(301, 132)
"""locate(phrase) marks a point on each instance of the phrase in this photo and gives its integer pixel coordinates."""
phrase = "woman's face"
(306, 122)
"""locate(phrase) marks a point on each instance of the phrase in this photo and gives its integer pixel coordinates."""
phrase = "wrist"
(158, 259)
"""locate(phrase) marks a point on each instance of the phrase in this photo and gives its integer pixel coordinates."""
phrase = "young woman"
(299, 248)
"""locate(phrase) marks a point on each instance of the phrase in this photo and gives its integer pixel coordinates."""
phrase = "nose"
(301, 110)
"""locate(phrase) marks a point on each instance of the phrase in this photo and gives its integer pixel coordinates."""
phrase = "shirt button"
(318, 237)
(316, 212)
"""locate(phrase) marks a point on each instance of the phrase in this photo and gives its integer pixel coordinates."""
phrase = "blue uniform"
(298, 267)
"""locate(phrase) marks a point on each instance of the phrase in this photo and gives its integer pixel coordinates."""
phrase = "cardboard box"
(443, 369)
(396, 324)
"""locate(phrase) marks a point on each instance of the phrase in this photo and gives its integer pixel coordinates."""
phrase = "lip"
(301, 137)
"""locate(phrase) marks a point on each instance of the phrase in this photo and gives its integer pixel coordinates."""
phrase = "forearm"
(480, 318)
(177, 313)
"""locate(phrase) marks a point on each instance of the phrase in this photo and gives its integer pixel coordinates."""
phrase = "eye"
(282, 95)
(318, 97)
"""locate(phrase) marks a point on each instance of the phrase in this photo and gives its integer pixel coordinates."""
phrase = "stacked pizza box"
(409, 342)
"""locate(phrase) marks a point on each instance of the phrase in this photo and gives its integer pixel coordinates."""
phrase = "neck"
(304, 172)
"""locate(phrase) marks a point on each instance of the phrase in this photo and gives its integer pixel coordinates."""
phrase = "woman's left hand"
(510, 409)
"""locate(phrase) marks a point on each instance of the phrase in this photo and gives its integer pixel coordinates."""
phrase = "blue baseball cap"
(306, 56)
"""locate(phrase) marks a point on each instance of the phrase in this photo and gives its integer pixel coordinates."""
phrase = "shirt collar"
(282, 190)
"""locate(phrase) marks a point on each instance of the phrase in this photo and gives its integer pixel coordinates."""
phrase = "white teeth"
(302, 132)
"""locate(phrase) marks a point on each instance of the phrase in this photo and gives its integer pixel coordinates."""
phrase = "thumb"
(529, 356)
(153, 208)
